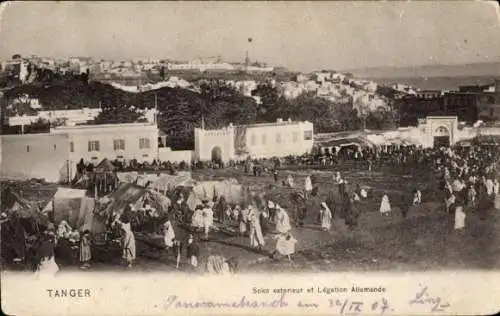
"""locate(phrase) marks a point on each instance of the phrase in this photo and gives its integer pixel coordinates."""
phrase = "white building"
(201, 66)
(35, 156)
(264, 140)
(70, 116)
(92, 143)
(54, 155)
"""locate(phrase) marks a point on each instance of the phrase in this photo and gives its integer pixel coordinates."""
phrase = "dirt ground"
(425, 240)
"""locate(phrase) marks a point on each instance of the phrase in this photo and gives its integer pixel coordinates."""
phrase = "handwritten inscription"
(343, 306)
(348, 307)
(174, 302)
(422, 297)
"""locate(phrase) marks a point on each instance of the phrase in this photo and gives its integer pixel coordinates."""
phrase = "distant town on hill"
(216, 94)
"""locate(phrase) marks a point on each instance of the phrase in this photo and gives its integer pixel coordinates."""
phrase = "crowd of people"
(467, 176)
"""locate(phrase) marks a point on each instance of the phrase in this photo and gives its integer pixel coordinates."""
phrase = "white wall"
(167, 154)
(47, 156)
(262, 139)
(206, 140)
(106, 134)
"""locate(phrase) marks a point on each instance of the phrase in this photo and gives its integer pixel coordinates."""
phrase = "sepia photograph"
(214, 139)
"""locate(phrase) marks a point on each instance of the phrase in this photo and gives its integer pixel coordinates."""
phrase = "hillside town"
(223, 165)
(68, 190)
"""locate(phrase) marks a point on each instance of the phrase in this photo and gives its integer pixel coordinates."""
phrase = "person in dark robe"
(221, 209)
(349, 211)
(302, 215)
(407, 204)
(264, 222)
(19, 238)
(64, 254)
(275, 175)
(483, 201)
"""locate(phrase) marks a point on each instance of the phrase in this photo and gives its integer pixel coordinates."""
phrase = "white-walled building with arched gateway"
(263, 140)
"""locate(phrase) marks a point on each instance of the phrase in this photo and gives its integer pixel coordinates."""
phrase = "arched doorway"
(441, 137)
(217, 154)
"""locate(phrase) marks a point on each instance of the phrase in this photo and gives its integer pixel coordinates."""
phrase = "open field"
(425, 240)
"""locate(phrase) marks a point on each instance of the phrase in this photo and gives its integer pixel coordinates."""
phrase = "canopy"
(128, 177)
(128, 193)
(166, 182)
(66, 204)
(105, 166)
(12, 204)
(487, 140)
(232, 192)
(343, 142)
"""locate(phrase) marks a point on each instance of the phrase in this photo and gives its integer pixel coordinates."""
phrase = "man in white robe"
(417, 197)
(459, 218)
(385, 206)
(282, 220)
(169, 234)
(308, 187)
(285, 245)
(208, 218)
(256, 236)
(325, 217)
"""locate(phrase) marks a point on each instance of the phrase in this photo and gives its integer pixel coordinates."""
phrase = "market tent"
(230, 189)
(487, 140)
(128, 177)
(105, 166)
(66, 205)
(144, 179)
(167, 182)
(128, 193)
(23, 219)
(344, 142)
(12, 203)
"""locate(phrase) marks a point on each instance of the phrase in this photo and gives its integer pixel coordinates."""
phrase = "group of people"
(469, 182)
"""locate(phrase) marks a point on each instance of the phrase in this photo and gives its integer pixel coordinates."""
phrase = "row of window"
(28, 148)
(118, 144)
(295, 137)
(94, 145)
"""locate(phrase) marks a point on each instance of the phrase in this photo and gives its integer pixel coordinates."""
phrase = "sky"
(298, 35)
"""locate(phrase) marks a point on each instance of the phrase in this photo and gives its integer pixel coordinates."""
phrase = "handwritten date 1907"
(422, 297)
(350, 308)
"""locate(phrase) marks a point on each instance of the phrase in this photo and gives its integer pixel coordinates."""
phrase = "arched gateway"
(217, 154)
(441, 137)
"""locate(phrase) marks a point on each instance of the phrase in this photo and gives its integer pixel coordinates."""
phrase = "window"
(252, 140)
(119, 144)
(264, 139)
(93, 145)
(28, 148)
(295, 137)
(308, 135)
(72, 147)
(144, 143)
(278, 138)
(492, 112)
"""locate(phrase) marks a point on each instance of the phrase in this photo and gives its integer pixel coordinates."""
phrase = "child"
(85, 254)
